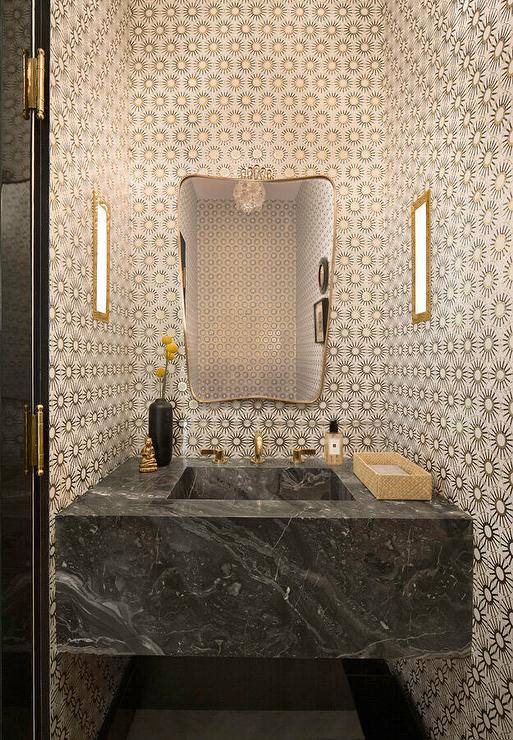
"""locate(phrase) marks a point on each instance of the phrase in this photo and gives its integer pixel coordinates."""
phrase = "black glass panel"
(15, 375)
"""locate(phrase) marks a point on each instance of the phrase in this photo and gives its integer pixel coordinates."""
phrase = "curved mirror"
(256, 259)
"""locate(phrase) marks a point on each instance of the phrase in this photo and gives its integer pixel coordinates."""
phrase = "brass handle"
(40, 105)
(40, 467)
(34, 84)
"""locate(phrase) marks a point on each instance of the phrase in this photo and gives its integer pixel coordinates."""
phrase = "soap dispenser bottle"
(333, 445)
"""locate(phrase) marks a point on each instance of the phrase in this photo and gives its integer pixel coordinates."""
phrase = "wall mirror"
(256, 265)
(421, 258)
(101, 258)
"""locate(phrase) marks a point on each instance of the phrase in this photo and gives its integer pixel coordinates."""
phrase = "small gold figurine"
(148, 463)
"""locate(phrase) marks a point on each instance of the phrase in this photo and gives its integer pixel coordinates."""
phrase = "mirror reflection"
(256, 258)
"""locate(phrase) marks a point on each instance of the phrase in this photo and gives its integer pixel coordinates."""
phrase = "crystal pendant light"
(249, 190)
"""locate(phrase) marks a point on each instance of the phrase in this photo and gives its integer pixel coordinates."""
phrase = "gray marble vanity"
(270, 560)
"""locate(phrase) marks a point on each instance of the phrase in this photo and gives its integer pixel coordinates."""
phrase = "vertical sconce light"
(101, 258)
(421, 259)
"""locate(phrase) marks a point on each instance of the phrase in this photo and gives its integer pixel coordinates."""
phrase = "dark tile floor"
(246, 699)
(244, 725)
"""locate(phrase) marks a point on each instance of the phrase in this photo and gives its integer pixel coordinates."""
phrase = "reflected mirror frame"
(425, 198)
(99, 201)
(330, 292)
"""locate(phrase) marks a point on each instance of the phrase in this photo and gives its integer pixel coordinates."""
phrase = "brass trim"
(40, 445)
(40, 106)
(425, 315)
(34, 84)
(330, 294)
(34, 440)
(99, 201)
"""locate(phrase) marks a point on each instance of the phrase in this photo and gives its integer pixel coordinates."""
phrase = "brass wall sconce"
(101, 258)
(421, 259)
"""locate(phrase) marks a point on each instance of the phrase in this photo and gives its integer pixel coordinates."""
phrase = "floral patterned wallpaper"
(298, 86)
(450, 381)
(385, 98)
(90, 362)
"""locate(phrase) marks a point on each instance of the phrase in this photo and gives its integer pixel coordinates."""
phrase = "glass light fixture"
(249, 190)
(249, 195)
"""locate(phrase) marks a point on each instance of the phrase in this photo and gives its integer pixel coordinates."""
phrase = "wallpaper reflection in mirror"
(251, 280)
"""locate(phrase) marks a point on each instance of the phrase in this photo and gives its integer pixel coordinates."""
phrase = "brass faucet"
(298, 452)
(257, 458)
(218, 453)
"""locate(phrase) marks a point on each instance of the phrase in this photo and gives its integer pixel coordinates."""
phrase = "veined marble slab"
(141, 573)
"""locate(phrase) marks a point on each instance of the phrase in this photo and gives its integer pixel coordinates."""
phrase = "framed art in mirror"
(101, 258)
(321, 313)
(421, 259)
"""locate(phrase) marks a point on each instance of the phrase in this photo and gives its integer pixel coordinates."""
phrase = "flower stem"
(164, 382)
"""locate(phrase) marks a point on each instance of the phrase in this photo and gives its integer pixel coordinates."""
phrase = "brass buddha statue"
(148, 462)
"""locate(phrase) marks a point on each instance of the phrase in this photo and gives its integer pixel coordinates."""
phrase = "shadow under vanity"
(260, 561)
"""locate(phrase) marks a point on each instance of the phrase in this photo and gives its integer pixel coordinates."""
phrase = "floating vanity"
(270, 560)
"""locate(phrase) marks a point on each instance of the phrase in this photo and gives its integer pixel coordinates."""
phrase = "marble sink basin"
(239, 560)
(260, 484)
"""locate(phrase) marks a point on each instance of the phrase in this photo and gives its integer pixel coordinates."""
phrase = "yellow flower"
(160, 372)
(172, 347)
(167, 339)
(170, 355)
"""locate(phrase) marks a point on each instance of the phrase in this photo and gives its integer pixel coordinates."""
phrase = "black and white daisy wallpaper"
(450, 382)
(386, 98)
(91, 362)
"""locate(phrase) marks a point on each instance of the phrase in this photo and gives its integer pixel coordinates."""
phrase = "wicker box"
(409, 482)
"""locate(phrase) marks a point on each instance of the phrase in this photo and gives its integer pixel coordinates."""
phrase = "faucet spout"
(258, 442)
(299, 452)
(218, 454)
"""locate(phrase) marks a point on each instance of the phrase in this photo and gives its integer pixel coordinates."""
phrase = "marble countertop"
(139, 573)
(126, 492)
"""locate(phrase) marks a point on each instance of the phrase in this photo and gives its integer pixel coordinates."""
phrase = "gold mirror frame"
(330, 294)
(98, 202)
(425, 198)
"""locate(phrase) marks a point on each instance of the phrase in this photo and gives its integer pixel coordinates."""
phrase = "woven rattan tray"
(376, 471)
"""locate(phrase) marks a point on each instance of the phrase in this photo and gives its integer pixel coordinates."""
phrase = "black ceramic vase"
(160, 427)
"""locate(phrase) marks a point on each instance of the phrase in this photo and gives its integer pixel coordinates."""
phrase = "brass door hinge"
(34, 84)
(34, 440)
